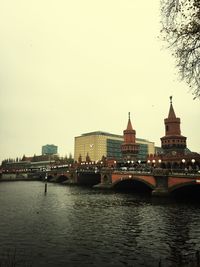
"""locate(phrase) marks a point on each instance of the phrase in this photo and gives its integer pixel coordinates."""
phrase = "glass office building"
(49, 150)
(98, 144)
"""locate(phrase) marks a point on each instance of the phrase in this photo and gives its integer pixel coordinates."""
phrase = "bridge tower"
(129, 147)
(173, 142)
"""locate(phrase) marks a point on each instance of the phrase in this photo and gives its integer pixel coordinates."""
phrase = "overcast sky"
(71, 67)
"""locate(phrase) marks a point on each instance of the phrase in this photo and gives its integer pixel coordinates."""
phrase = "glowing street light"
(183, 161)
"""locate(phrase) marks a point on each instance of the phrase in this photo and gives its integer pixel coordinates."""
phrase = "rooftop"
(111, 135)
(102, 133)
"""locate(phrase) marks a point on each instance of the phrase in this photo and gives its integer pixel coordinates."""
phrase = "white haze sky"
(71, 67)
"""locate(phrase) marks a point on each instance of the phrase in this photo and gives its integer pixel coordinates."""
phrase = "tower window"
(167, 128)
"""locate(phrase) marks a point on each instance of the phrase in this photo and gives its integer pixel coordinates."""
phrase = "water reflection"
(83, 227)
(181, 240)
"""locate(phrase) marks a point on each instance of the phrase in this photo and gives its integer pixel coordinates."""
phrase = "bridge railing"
(159, 171)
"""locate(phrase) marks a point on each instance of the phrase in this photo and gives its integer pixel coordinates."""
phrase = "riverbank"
(18, 177)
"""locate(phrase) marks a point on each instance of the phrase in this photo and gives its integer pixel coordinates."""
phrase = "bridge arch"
(88, 178)
(105, 178)
(187, 189)
(133, 184)
(61, 178)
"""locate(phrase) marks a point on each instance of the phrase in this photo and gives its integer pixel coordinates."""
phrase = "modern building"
(98, 144)
(49, 150)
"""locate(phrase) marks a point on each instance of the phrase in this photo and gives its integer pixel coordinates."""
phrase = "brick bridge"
(161, 182)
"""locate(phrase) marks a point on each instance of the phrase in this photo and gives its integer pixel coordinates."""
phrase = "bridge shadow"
(57, 179)
(187, 193)
(88, 179)
(132, 186)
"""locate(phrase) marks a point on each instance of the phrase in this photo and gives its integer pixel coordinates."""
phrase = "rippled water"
(73, 226)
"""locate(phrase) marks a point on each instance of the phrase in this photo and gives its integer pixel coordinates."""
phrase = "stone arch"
(175, 165)
(106, 179)
(187, 191)
(88, 178)
(169, 165)
(132, 180)
(61, 178)
(181, 185)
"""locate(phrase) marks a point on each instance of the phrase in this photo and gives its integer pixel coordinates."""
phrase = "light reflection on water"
(73, 226)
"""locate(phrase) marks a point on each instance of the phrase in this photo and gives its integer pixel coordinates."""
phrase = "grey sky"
(70, 67)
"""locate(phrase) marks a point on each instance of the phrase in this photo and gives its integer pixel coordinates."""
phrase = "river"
(77, 226)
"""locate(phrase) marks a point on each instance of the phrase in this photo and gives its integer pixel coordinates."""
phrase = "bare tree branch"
(181, 29)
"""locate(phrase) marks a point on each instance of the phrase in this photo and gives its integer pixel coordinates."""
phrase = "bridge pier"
(106, 179)
(73, 178)
(161, 178)
(160, 192)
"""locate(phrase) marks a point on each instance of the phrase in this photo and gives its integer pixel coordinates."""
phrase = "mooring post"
(45, 186)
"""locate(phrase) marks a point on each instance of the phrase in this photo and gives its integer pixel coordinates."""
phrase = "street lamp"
(159, 161)
(148, 163)
(193, 161)
(183, 161)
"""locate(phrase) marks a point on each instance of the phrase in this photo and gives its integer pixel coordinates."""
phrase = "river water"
(76, 226)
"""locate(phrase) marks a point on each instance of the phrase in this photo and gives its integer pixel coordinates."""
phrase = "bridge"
(159, 182)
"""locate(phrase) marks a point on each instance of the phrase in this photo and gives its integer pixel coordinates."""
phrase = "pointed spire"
(129, 147)
(171, 114)
(129, 126)
(173, 140)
